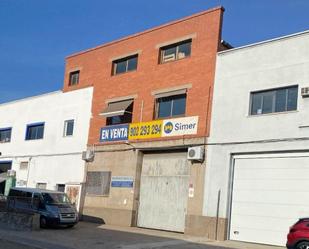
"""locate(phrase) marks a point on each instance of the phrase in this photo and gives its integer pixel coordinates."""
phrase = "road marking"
(154, 244)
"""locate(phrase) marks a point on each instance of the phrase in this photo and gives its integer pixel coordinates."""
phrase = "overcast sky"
(37, 35)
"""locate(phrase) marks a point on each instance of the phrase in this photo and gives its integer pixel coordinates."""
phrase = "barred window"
(98, 182)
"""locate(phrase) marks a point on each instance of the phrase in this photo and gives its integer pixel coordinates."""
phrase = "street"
(94, 236)
(12, 245)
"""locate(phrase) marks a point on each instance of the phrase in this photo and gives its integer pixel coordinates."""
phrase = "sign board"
(74, 193)
(152, 129)
(114, 133)
(144, 130)
(180, 126)
(122, 181)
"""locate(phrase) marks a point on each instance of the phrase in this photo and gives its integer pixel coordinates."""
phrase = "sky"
(37, 35)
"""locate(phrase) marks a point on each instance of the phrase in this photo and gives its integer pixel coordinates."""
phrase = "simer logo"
(168, 127)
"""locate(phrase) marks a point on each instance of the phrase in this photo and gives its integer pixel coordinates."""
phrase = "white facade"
(257, 160)
(54, 159)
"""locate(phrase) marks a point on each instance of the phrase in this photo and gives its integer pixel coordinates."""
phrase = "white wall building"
(258, 153)
(42, 138)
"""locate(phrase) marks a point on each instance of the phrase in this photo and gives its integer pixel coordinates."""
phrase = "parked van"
(54, 207)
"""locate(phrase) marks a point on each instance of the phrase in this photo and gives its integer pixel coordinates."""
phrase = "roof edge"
(41, 95)
(264, 42)
(147, 31)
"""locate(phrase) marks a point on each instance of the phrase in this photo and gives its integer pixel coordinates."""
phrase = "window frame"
(71, 75)
(4, 130)
(34, 125)
(60, 185)
(273, 92)
(107, 193)
(157, 107)
(128, 111)
(174, 45)
(65, 128)
(41, 183)
(126, 60)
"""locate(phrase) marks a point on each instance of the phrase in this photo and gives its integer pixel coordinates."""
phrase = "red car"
(298, 237)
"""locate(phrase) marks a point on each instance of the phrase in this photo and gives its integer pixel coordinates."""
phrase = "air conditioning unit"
(88, 155)
(305, 92)
(196, 153)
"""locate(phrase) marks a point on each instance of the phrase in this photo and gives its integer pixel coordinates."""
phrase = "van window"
(56, 198)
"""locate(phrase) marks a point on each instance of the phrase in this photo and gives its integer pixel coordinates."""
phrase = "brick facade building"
(152, 101)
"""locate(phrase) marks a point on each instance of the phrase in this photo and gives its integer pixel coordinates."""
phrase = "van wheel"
(43, 222)
(303, 245)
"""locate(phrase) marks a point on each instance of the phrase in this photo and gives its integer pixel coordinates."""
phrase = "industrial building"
(151, 103)
(258, 157)
(42, 139)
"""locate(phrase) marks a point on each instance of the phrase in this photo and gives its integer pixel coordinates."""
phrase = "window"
(68, 128)
(74, 78)
(41, 185)
(125, 65)
(175, 51)
(5, 135)
(23, 165)
(61, 187)
(171, 106)
(121, 119)
(98, 182)
(276, 100)
(119, 112)
(35, 131)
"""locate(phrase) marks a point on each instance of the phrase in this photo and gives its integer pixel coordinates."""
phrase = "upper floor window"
(35, 131)
(74, 78)
(5, 135)
(68, 128)
(124, 117)
(171, 106)
(125, 64)
(175, 51)
(275, 100)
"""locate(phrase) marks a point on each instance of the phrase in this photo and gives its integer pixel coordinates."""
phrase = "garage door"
(269, 194)
(164, 191)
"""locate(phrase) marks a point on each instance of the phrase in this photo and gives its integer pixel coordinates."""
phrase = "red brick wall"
(198, 69)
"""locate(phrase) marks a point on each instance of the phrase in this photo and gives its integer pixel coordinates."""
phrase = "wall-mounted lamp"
(128, 143)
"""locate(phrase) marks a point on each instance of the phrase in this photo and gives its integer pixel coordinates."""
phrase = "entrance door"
(4, 167)
(270, 193)
(164, 191)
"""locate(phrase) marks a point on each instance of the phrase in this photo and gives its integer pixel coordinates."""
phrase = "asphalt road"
(159, 245)
(12, 245)
(94, 236)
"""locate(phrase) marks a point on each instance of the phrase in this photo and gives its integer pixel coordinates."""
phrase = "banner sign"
(144, 130)
(122, 182)
(114, 133)
(180, 126)
(152, 129)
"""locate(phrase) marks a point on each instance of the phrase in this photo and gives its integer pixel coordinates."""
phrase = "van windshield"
(56, 198)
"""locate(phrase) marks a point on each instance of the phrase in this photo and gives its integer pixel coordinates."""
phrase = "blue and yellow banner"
(145, 130)
(152, 129)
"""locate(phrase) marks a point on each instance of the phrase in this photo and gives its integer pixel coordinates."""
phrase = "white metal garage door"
(164, 191)
(270, 193)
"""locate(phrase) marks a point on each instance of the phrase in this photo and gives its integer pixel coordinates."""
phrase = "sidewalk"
(94, 236)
